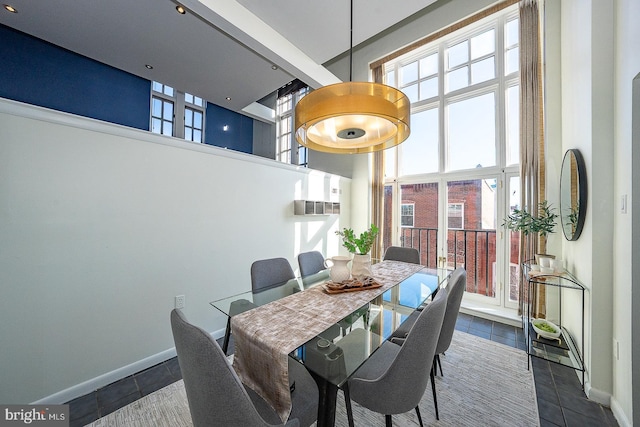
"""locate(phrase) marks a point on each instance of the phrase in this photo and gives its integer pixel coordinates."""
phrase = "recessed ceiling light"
(228, 98)
(149, 67)
(181, 10)
(10, 8)
(274, 67)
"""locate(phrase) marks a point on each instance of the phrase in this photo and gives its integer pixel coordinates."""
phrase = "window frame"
(461, 216)
(287, 150)
(499, 85)
(180, 106)
(413, 214)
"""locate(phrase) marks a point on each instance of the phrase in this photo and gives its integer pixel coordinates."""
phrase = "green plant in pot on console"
(362, 244)
(542, 224)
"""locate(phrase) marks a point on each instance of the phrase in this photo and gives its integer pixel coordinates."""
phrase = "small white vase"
(339, 270)
(361, 266)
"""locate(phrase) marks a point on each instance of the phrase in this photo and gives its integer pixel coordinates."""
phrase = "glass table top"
(338, 351)
(244, 301)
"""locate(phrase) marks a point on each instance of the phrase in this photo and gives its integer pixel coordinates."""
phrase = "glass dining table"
(334, 354)
(239, 303)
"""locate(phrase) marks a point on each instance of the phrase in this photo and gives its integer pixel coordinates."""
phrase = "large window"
(176, 113)
(464, 97)
(287, 149)
(446, 185)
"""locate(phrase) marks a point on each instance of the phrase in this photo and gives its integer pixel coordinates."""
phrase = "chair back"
(398, 253)
(272, 279)
(456, 286)
(215, 394)
(406, 379)
(310, 263)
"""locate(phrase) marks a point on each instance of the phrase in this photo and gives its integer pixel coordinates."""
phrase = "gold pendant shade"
(352, 118)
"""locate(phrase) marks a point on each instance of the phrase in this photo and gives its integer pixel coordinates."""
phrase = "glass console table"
(564, 350)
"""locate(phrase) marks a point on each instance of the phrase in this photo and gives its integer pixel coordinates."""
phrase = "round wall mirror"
(573, 194)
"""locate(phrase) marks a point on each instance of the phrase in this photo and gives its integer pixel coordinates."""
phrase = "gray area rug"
(484, 384)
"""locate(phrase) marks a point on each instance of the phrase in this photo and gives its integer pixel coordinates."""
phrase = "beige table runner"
(264, 336)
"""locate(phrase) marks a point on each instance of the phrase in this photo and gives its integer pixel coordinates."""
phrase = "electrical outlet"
(179, 303)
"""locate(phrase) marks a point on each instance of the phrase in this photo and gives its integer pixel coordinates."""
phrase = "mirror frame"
(566, 193)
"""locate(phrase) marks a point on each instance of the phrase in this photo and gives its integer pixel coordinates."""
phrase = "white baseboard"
(619, 414)
(100, 381)
(493, 314)
(596, 395)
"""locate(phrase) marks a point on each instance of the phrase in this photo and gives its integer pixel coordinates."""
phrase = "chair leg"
(433, 389)
(387, 421)
(227, 334)
(419, 417)
(347, 404)
(439, 364)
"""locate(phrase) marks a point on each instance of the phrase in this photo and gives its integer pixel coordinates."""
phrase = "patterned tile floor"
(561, 401)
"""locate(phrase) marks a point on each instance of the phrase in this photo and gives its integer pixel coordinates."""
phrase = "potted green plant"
(359, 244)
(523, 221)
(360, 247)
(526, 223)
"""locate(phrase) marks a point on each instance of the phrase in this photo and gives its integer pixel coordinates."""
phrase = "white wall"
(101, 226)
(627, 160)
(600, 41)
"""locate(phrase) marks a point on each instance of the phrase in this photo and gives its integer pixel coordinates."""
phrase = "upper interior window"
(287, 148)
(176, 113)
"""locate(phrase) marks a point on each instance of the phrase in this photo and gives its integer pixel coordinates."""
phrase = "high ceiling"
(219, 49)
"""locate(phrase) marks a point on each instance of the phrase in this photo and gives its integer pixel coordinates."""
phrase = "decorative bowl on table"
(334, 286)
(545, 329)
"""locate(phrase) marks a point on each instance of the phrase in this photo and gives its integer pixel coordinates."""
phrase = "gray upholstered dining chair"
(399, 253)
(215, 393)
(311, 262)
(457, 285)
(393, 380)
(271, 279)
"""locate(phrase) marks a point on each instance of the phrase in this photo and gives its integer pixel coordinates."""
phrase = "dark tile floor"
(561, 401)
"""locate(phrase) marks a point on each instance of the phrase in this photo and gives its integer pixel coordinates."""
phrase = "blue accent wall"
(238, 136)
(39, 73)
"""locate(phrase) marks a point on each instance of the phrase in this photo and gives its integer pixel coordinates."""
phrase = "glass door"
(471, 214)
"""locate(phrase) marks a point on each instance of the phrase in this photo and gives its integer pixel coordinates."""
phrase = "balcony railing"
(475, 250)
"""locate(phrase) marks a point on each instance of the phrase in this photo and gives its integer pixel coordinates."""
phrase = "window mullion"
(178, 115)
(501, 113)
(441, 111)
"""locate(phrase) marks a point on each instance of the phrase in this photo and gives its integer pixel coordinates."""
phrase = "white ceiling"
(219, 48)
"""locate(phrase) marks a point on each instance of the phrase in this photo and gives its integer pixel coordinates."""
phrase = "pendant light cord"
(351, 44)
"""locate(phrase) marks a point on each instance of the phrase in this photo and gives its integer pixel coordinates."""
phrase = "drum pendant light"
(352, 117)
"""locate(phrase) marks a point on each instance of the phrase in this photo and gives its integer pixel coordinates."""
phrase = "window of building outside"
(287, 149)
(176, 113)
(456, 216)
(453, 168)
(407, 215)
